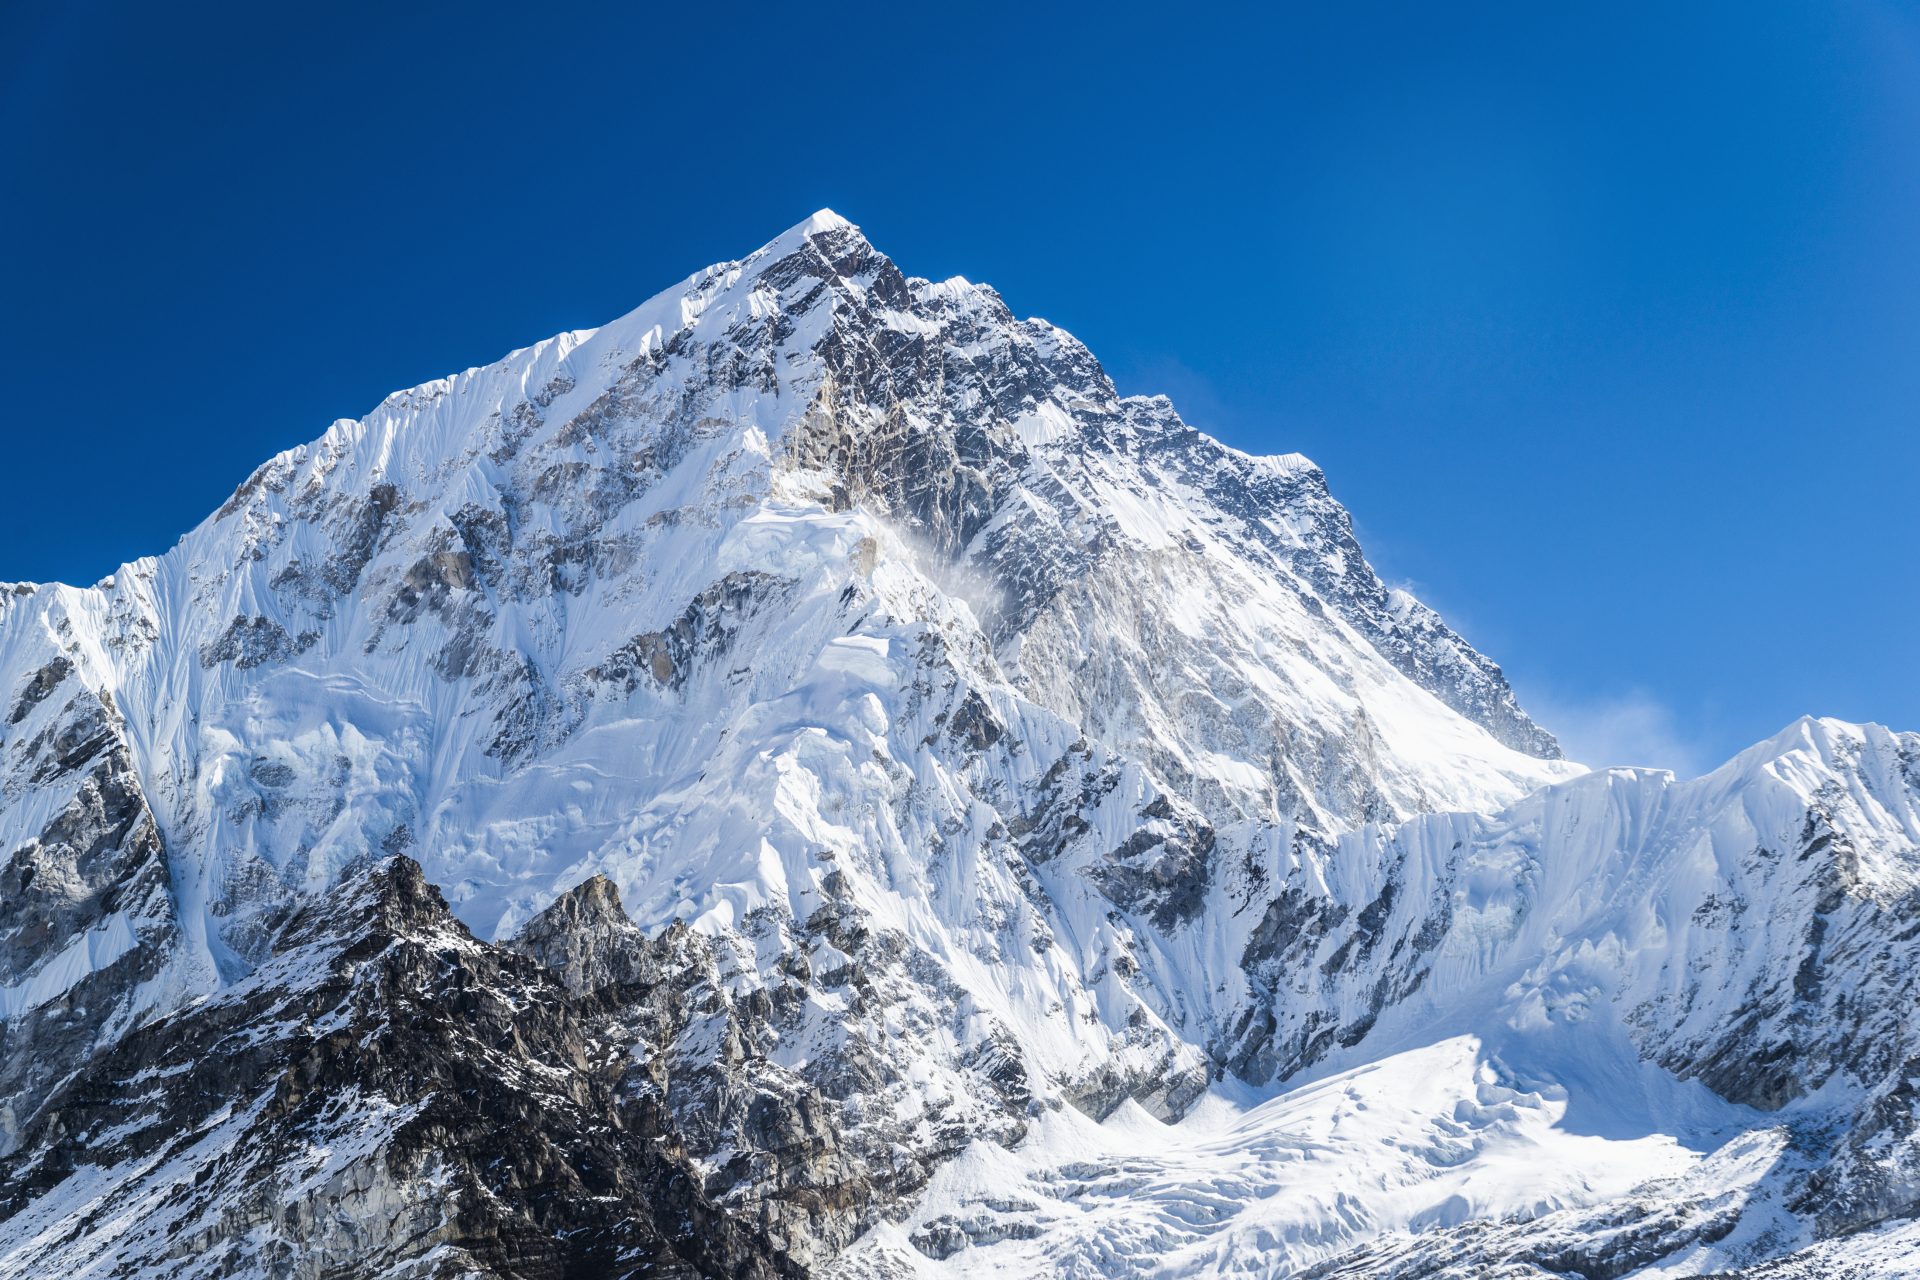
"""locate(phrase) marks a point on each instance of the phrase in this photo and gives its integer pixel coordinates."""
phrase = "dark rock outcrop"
(385, 1096)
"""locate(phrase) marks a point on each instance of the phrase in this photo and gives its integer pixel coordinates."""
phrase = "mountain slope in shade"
(889, 754)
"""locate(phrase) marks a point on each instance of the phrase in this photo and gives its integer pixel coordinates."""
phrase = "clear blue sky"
(1603, 319)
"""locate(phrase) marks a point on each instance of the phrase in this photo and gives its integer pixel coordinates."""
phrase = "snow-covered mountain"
(806, 779)
(1627, 1026)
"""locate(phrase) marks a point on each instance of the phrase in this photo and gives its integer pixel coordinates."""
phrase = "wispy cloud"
(1193, 393)
(1634, 728)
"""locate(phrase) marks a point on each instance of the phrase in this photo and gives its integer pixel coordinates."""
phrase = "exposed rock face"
(589, 941)
(857, 747)
(86, 920)
(783, 1149)
(385, 1095)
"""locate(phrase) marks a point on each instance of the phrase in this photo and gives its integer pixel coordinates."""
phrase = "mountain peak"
(823, 223)
(824, 220)
(586, 937)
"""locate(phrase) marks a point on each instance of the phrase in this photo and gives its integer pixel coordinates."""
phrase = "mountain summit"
(869, 799)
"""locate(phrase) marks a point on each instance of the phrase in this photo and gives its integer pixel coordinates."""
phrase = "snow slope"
(1416, 1141)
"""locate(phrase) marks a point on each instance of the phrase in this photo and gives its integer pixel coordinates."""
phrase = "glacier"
(945, 816)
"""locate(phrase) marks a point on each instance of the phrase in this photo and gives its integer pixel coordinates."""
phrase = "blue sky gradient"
(1603, 319)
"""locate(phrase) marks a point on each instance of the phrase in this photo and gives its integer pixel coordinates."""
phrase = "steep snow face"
(1724, 921)
(1754, 930)
(1629, 1024)
(1271, 676)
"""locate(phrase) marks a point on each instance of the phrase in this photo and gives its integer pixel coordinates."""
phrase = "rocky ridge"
(385, 1095)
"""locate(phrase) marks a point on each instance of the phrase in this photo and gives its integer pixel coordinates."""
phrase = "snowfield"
(1426, 1138)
